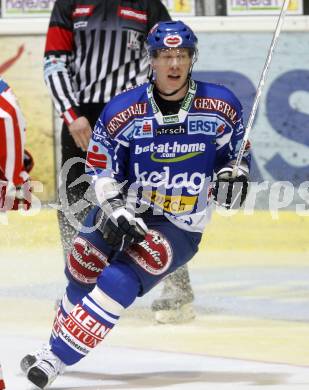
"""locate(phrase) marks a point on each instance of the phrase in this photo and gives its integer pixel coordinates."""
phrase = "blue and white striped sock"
(86, 326)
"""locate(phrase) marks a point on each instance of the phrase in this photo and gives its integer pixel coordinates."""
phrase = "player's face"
(171, 67)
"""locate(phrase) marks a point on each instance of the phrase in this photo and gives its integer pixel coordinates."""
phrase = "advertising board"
(26, 8)
(262, 7)
(180, 7)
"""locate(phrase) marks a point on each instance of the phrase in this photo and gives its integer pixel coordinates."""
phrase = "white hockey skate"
(29, 360)
(174, 306)
(46, 369)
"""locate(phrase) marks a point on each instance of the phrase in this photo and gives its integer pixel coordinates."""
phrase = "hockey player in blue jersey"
(153, 155)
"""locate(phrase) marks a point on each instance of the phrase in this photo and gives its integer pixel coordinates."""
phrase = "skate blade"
(27, 362)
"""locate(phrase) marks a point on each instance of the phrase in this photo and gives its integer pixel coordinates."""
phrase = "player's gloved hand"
(23, 191)
(23, 196)
(231, 192)
(119, 227)
(13, 198)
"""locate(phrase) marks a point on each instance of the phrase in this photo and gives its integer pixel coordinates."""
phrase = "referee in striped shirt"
(94, 50)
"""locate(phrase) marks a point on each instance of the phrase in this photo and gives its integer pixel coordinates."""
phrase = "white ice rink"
(251, 330)
(115, 368)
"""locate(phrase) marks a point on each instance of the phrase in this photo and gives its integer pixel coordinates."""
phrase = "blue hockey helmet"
(171, 34)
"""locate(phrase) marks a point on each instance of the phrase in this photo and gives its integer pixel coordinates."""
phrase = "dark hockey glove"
(23, 195)
(119, 227)
(231, 192)
(28, 161)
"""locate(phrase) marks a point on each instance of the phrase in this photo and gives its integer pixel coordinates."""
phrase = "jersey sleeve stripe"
(58, 102)
(14, 164)
(58, 39)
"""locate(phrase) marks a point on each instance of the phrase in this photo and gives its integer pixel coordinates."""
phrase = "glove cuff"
(110, 205)
(106, 188)
(225, 173)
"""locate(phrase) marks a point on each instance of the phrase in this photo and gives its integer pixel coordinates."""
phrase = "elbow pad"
(106, 188)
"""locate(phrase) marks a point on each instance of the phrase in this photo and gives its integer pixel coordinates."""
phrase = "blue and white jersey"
(171, 159)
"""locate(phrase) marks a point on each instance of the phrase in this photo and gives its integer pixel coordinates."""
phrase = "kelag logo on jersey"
(171, 152)
(170, 119)
(202, 125)
(171, 130)
(192, 182)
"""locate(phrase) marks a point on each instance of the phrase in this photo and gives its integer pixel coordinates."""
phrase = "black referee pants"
(67, 216)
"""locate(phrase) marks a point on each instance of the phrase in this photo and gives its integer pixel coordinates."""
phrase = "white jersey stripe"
(13, 145)
(10, 146)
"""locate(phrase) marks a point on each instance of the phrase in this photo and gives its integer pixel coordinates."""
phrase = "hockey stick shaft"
(260, 87)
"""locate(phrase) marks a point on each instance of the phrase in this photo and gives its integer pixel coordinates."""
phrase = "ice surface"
(114, 368)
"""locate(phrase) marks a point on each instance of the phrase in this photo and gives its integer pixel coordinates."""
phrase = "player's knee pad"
(85, 262)
(119, 282)
(154, 254)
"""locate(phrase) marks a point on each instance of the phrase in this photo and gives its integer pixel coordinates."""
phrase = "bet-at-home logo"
(169, 153)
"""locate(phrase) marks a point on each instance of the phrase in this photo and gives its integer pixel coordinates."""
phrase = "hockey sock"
(63, 310)
(92, 319)
(74, 294)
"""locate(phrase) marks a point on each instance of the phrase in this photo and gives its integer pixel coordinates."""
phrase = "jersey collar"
(183, 111)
